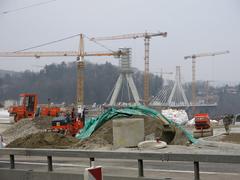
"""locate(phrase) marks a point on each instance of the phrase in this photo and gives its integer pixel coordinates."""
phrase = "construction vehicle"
(68, 124)
(202, 126)
(28, 108)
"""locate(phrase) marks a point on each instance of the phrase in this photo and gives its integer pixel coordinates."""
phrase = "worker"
(227, 121)
(81, 114)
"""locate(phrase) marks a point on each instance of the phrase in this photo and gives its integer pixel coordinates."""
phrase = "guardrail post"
(140, 168)
(196, 170)
(12, 161)
(50, 166)
(92, 162)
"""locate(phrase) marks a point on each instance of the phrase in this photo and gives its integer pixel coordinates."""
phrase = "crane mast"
(193, 57)
(147, 37)
(80, 73)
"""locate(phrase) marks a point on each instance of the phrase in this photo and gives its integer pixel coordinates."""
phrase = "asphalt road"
(172, 170)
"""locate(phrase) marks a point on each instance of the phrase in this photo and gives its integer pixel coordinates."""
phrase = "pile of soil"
(103, 136)
(25, 127)
(43, 122)
(32, 134)
(20, 129)
(44, 140)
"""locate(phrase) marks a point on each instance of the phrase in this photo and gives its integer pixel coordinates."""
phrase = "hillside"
(58, 82)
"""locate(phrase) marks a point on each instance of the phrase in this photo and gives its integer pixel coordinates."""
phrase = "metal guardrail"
(139, 156)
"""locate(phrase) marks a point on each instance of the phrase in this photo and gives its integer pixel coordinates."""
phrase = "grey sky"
(193, 26)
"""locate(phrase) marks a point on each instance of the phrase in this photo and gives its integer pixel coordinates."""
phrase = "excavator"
(28, 108)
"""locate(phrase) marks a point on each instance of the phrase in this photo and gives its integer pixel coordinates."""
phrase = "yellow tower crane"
(80, 62)
(147, 37)
(193, 57)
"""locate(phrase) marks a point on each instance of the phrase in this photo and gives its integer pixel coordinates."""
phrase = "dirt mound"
(43, 122)
(103, 136)
(43, 140)
(31, 133)
(25, 127)
(19, 129)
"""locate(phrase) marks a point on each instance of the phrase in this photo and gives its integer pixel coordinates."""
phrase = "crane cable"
(59, 40)
(48, 43)
(98, 43)
(26, 7)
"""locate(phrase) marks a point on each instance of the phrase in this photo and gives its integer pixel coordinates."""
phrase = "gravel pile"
(19, 129)
(25, 127)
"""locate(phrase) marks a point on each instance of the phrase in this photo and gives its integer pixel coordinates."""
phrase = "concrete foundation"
(128, 132)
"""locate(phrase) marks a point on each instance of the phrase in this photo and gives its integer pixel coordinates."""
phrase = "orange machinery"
(28, 107)
(49, 111)
(67, 124)
(202, 126)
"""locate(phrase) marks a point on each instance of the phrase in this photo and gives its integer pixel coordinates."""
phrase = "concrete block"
(128, 132)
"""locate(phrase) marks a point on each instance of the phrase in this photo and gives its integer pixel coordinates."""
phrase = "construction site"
(180, 119)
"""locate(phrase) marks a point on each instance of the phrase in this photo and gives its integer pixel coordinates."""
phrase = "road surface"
(154, 169)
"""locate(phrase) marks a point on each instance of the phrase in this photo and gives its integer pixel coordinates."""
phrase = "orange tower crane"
(80, 62)
(147, 37)
(193, 57)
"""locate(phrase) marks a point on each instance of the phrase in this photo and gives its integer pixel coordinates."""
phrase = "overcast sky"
(193, 26)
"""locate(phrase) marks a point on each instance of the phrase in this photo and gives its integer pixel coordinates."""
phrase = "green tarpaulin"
(94, 123)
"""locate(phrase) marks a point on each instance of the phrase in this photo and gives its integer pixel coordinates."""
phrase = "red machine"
(202, 121)
(49, 111)
(28, 106)
(202, 126)
(67, 125)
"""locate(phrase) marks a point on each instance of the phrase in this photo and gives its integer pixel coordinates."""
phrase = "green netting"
(93, 124)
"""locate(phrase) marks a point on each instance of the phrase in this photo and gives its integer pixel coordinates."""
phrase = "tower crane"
(147, 37)
(193, 57)
(80, 54)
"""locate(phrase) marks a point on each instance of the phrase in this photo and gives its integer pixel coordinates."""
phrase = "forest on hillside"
(58, 82)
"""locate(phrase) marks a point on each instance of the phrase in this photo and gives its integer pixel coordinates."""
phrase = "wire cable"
(98, 43)
(48, 43)
(26, 7)
(59, 40)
